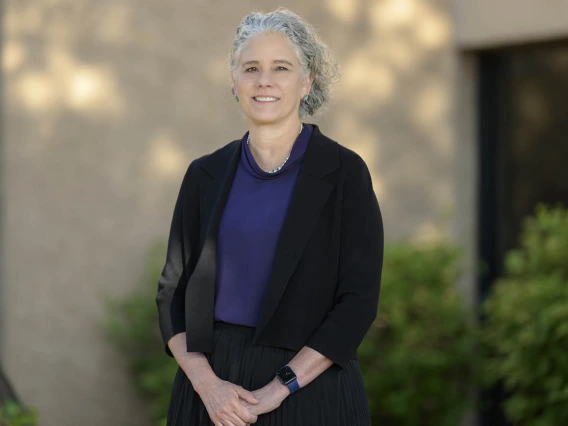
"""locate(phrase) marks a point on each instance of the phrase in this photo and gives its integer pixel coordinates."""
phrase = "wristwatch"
(288, 378)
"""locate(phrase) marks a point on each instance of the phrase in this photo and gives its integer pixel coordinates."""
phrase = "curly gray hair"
(314, 56)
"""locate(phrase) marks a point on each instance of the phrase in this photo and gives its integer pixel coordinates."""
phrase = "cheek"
(243, 82)
(293, 88)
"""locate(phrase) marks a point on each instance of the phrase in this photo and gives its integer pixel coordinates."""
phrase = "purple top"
(248, 232)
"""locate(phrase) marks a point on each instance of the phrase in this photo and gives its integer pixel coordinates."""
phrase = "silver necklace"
(282, 165)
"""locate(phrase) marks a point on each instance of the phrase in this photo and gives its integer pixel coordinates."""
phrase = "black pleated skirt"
(335, 398)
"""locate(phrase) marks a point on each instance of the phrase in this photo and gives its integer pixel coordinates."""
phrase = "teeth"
(265, 99)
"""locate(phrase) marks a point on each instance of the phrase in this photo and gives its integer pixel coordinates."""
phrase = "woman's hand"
(222, 400)
(269, 398)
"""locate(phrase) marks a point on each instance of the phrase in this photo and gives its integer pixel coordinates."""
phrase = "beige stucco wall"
(108, 101)
(490, 23)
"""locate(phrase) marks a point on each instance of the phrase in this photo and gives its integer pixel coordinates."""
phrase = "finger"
(245, 414)
(246, 395)
(252, 410)
(245, 404)
(236, 420)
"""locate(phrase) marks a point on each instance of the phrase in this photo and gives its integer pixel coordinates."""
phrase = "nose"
(264, 79)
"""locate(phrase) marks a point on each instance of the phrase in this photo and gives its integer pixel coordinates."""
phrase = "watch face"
(286, 375)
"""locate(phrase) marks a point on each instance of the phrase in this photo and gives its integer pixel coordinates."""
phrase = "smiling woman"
(275, 253)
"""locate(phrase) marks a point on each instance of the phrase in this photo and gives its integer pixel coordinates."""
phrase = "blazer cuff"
(327, 342)
(168, 334)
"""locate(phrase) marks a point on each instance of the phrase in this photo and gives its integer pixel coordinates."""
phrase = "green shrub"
(526, 327)
(418, 355)
(132, 324)
(13, 414)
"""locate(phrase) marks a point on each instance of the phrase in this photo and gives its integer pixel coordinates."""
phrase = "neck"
(271, 144)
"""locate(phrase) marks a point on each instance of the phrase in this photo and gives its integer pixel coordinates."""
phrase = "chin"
(264, 118)
(267, 118)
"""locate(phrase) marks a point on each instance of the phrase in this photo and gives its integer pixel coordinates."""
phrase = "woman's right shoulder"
(195, 166)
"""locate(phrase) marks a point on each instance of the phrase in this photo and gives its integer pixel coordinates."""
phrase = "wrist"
(202, 381)
(279, 388)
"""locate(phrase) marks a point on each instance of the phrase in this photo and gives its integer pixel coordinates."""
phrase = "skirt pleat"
(335, 398)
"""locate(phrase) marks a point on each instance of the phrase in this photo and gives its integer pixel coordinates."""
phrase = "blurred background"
(458, 107)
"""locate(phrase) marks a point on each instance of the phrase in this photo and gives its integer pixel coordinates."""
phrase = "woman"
(275, 252)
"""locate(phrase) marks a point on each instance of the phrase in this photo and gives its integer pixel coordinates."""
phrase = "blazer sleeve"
(170, 298)
(359, 270)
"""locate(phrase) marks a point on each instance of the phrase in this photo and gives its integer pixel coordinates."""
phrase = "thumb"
(246, 395)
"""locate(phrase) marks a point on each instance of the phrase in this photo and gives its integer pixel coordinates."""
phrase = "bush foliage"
(417, 357)
(13, 414)
(526, 326)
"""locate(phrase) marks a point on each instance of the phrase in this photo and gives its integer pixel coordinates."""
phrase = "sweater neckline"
(296, 155)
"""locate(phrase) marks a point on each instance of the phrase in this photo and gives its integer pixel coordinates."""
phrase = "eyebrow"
(276, 61)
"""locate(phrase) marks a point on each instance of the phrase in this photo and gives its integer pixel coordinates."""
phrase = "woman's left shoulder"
(349, 161)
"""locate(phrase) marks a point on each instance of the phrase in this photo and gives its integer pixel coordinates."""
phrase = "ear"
(308, 82)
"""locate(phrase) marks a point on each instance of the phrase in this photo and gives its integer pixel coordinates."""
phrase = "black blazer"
(324, 286)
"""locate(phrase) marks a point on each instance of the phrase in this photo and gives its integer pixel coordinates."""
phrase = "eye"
(251, 69)
(282, 68)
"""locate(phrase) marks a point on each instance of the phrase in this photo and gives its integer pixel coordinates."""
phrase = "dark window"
(523, 117)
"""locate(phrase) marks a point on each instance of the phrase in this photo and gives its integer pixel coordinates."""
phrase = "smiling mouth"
(265, 99)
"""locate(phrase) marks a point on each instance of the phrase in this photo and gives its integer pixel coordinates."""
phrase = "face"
(269, 80)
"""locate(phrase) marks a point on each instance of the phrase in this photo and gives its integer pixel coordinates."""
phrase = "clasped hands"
(232, 405)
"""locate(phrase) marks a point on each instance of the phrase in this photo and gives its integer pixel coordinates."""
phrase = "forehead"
(267, 46)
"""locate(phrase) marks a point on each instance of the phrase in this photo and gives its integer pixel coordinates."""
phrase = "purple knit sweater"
(249, 230)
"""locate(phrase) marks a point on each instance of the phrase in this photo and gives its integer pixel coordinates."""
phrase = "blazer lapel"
(309, 196)
(200, 291)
